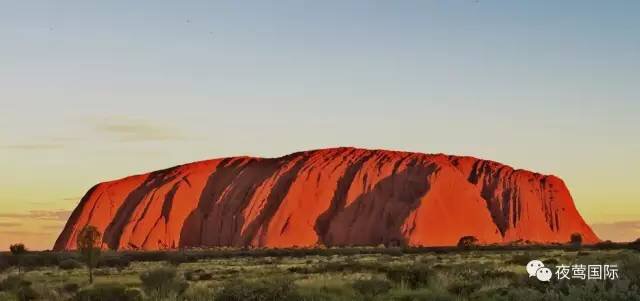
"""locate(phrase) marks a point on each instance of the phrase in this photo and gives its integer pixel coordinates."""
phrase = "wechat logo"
(536, 268)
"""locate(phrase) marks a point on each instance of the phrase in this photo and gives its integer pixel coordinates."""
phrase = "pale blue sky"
(96, 90)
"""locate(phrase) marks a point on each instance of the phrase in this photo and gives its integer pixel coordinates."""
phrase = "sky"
(97, 90)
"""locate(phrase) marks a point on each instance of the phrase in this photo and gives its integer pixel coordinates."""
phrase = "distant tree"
(605, 245)
(576, 239)
(18, 250)
(88, 243)
(467, 242)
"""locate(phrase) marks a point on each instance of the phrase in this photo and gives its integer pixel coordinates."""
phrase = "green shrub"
(13, 282)
(372, 287)
(205, 276)
(4, 296)
(412, 276)
(467, 242)
(270, 289)
(520, 259)
(575, 240)
(193, 275)
(199, 293)
(178, 258)
(514, 294)
(106, 292)
(493, 274)
(605, 245)
(26, 293)
(420, 295)
(301, 270)
(146, 256)
(133, 294)
(114, 261)
(464, 288)
(70, 287)
(18, 249)
(70, 264)
(161, 282)
(199, 274)
(329, 293)
(20, 288)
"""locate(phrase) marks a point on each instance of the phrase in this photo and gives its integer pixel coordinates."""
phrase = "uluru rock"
(331, 197)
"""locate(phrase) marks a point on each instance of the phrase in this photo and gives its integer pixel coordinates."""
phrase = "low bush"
(12, 283)
(107, 292)
(575, 240)
(70, 264)
(18, 287)
(464, 288)
(420, 295)
(605, 245)
(372, 287)
(133, 294)
(493, 274)
(161, 282)
(26, 293)
(520, 259)
(467, 242)
(414, 276)
(70, 288)
(114, 261)
(270, 289)
(7, 296)
(330, 293)
(146, 256)
(178, 258)
(193, 275)
(514, 294)
(205, 276)
(196, 275)
(199, 293)
(36, 259)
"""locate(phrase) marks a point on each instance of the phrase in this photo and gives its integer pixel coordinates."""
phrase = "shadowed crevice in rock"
(275, 198)
(490, 186)
(64, 237)
(339, 198)
(377, 216)
(113, 233)
(164, 213)
(224, 174)
(168, 201)
(226, 222)
(218, 219)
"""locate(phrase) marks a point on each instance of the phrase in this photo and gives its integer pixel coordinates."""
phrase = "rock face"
(331, 197)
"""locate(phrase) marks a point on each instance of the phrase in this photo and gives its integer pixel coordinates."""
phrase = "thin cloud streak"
(131, 130)
(33, 146)
(9, 224)
(51, 215)
(26, 233)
